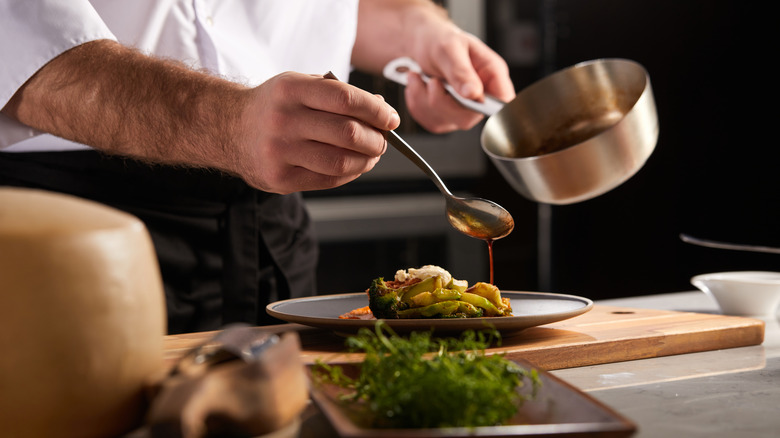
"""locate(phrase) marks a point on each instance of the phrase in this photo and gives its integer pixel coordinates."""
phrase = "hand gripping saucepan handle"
(398, 69)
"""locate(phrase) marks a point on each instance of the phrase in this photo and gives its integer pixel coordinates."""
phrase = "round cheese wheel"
(82, 316)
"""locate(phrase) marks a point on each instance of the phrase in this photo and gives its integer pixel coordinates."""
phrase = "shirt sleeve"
(32, 33)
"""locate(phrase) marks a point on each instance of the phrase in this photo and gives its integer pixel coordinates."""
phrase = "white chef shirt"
(246, 41)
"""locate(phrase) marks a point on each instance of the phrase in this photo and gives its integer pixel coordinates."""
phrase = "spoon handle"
(403, 147)
(723, 245)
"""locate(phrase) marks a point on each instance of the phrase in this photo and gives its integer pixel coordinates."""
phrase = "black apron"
(225, 249)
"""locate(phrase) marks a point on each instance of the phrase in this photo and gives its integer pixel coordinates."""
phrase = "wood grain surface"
(606, 334)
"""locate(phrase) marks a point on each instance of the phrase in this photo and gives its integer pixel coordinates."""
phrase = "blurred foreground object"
(82, 316)
(241, 383)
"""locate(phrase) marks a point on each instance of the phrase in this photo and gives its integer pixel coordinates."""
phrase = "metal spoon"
(474, 217)
(723, 245)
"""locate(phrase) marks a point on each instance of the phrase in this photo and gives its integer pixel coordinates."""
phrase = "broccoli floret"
(385, 303)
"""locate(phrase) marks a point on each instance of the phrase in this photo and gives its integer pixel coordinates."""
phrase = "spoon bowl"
(479, 218)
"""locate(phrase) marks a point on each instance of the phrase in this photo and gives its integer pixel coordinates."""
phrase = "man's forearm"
(120, 101)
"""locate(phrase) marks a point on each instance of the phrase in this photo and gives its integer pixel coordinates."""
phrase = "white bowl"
(744, 293)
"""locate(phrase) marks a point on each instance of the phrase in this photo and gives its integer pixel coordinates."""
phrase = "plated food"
(346, 313)
(430, 292)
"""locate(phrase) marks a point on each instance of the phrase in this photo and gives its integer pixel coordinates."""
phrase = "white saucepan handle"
(397, 69)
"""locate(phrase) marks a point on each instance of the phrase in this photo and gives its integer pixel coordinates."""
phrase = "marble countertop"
(724, 393)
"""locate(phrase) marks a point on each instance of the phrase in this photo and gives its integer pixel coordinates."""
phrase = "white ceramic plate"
(530, 309)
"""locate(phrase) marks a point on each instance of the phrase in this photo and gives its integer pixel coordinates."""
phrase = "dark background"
(713, 173)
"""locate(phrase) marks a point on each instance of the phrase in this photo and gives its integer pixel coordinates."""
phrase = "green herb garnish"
(424, 382)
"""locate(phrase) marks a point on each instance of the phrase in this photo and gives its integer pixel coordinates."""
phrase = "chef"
(207, 118)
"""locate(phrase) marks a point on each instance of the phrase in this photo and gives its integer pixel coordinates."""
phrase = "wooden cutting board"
(606, 334)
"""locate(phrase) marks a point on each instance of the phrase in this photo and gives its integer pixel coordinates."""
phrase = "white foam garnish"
(423, 273)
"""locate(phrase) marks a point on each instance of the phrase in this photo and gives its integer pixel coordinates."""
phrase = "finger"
(288, 178)
(344, 132)
(330, 160)
(492, 70)
(341, 98)
(449, 108)
(454, 65)
(433, 107)
(301, 179)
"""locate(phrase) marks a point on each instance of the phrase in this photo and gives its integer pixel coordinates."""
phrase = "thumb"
(464, 79)
(457, 69)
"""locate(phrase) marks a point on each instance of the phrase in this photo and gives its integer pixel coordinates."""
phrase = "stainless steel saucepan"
(571, 136)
